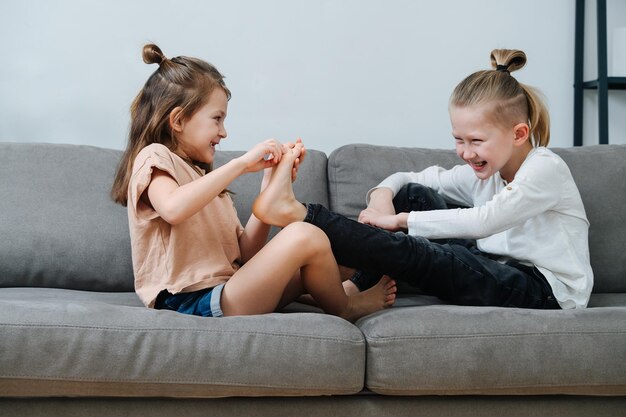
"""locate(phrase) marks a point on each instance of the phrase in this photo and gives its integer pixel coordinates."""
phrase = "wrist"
(382, 193)
(239, 164)
(402, 220)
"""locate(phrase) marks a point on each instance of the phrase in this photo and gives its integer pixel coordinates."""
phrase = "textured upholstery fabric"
(359, 405)
(59, 226)
(447, 349)
(63, 342)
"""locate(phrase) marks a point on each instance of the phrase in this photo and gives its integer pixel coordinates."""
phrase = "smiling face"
(487, 146)
(198, 135)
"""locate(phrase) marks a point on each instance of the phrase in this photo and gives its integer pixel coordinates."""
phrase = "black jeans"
(454, 270)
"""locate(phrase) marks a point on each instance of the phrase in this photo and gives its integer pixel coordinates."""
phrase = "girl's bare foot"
(277, 205)
(380, 296)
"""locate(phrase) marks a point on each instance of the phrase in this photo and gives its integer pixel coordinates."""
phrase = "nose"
(465, 152)
(468, 154)
(223, 132)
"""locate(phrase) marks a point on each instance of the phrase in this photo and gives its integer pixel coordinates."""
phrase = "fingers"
(272, 151)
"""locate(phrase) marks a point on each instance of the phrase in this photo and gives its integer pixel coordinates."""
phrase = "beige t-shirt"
(201, 252)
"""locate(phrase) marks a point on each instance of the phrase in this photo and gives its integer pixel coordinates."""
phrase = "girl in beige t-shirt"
(190, 252)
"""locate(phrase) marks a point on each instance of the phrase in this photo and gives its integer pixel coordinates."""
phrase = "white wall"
(330, 71)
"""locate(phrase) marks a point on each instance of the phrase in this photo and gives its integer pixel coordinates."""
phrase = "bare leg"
(278, 206)
(349, 287)
(259, 286)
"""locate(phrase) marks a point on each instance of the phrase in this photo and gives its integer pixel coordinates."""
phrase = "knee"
(306, 236)
(418, 197)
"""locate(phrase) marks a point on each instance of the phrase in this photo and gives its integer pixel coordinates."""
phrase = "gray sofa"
(76, 341)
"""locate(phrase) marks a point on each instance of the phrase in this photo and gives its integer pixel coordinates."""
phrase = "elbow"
(172, 215)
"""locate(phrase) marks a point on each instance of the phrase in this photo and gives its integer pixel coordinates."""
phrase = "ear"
(522, 133)
(176, 122)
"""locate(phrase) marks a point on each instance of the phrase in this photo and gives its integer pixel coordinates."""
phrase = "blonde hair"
(512, 102)
(178, 82)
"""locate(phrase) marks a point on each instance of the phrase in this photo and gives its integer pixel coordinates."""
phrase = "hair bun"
(507, 59)
(152, 54)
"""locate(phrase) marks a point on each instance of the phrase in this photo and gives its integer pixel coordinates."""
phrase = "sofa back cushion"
(59, 227)
(599, 172)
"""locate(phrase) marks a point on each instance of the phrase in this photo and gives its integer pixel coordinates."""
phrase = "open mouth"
(479, 164)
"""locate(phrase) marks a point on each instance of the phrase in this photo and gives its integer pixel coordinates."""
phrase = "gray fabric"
(599, 172)
(59, 226)
(472, 350)
(361, 406)
(607, 300)
(311, 185)
(63, 342)
(354, 169)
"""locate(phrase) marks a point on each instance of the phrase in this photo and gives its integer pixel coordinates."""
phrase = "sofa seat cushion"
(448, 350)
(59, 342)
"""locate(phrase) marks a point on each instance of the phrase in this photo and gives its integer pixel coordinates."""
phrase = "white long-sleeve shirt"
(537, 219)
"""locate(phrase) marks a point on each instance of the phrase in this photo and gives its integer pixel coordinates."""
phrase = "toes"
(391, 299)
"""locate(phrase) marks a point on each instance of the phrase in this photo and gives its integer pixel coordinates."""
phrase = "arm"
(255, 233)
(176, 203)
(536, 189)
(380, 211)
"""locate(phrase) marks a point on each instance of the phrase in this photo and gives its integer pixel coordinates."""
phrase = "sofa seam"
(431, 387)
(164, 381)
(134, 330)
(489, 336)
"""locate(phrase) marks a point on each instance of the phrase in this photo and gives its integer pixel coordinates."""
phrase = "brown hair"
(513, 102)
(178, 82)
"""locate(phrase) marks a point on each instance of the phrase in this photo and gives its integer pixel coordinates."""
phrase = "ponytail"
(513, 102)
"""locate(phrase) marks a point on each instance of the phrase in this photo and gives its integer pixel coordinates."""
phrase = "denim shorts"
(205, 303)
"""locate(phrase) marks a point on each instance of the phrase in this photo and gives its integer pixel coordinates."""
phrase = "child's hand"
(264, 155)
(391, 222)
(381, 203)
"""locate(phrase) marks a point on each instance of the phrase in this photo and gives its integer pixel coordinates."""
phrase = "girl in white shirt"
(522, 241)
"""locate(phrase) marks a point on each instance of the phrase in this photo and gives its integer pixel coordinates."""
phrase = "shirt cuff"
(412, 224)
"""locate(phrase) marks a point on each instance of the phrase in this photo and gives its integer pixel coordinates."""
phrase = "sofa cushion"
(356, 168)
(59, 342)
(61, 229)
(599, 172)
(454, 350)
(59, 226)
